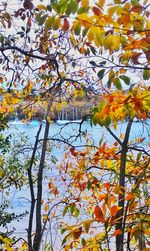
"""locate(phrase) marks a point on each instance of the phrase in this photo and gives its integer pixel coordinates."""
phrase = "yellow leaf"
(87, 226)
(7, 248)
(56, 23)
(116, 42)
(46, 208)
(101, 3)
(41, 7)
(7, 241)
(85, 3)
(45, 217)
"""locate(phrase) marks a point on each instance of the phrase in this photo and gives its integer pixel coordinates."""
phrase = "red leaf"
(98, 214)
(114, 210)
(137, 9)
(96, 11)
(77, 232)
(66, 25)
(73, 152)
(29, 22)
(83, 186)
(115, 143)
(117, 232)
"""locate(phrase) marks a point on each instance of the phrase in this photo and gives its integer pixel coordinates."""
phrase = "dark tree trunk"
(29, 230)
(119, 224)
(38, 231)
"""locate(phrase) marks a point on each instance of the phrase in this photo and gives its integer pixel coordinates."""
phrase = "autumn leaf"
(114, 210)
(77, 232)
(96, 11)
(146, 74)
(130, 196)
(137, 9)
(85, 3)
(66, 25)
(101, 3)
(98, 214)
(46, 208)
(117, 232)
(86, 225)
(83, 186)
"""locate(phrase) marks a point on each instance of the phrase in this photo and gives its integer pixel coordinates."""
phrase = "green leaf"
(72, 209)
(56, 7)
(73, 5)
(107, 121)
(95, 109)
(146, 74)
(83, 242)
(65, 210)
(118, 84)
(139, 156)
(1, 38)
(89, 184)
(109, 83)
(76, 212)
(102, 63)
(63, 230)
(77, 29)
(93, 63)
(63, 8)
(49, 22)
(125, 79)
(64, 240)
(101, 141)
(83, 10)
(40, 19)
(100, 74)
(85, 31)
(135, 2)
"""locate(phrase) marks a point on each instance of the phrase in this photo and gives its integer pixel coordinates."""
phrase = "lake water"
(19, 200)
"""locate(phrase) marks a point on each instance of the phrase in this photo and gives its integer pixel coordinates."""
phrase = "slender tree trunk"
(121, 204)
(32, 191)
(38, 231)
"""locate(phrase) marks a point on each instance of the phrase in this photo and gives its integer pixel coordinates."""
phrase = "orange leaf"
(144, 115)
(135, 57)
(114, 210)
(66, 25)
(55, 192)
(98, 214)
(107, 185)
(130, 196)
(50, 185)
(101, 3)
(117, 232)
(96, 11)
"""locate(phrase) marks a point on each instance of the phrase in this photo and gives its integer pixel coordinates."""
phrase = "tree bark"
(38, 231)
(29, 230)
(121, 204)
